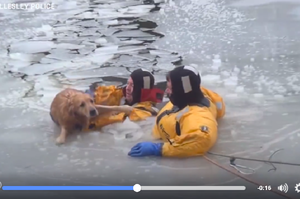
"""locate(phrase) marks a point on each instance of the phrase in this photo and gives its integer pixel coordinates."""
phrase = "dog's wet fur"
(72, 110)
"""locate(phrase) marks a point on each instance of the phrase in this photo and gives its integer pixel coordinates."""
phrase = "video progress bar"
(193, 188)
(135, 188)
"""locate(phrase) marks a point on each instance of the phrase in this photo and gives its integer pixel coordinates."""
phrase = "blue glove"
(146, 149)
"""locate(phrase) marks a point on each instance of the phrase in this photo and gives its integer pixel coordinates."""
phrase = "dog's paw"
(60, 140)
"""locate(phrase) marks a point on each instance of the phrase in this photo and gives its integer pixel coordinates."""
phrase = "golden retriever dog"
(72, 110)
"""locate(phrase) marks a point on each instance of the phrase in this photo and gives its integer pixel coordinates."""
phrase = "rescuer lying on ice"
(188, 123)
(139, 93)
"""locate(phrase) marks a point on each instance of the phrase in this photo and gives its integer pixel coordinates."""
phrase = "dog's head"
(82, 104)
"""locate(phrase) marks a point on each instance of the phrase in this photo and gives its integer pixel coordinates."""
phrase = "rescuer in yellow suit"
(139, 93)
(188, 123)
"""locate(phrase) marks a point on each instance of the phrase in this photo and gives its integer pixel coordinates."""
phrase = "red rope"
(243, 177)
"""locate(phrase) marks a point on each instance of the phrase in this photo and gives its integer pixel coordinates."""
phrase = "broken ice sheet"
(69, 41)
(160, 52)
(14, 65)
(27, 57)
(64, 28)
(110, 22)
(82, 82)
(90, 29)
(132, 33)
(31, 46)
(107, 50)
(145, 56)
(128, 59)
(129, 26)
(114, 15)
(138, 9)
(94, 58)
(85, 33)
(47, 60)
(131, 49)
(111, 40)
(99, 72)
(45, 83)
(69, 46)
(131, 41)
(108, 12)
(42, 38)
(67, 34)
(168, 59)
(90, 40)
(66, 20)
(145, 65)
(40, 69)
(88, 23)
(147, 29)
(123, 4)
(63, 55)
(87, 50)
(63, 5)
(86, 15)
(125, 22)
(81, 86)
(88, 43)
(166, 67)
(108, 31)
(101, 40)
(147, 39)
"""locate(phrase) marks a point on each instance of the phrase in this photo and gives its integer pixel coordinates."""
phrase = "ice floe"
(31, 46)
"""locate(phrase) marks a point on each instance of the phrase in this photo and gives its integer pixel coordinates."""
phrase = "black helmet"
(142, 79)
(186, 90)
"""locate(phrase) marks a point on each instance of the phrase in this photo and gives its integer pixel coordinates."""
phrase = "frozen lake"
(248, 51)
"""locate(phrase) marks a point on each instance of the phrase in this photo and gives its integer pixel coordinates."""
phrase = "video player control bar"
(135, 188)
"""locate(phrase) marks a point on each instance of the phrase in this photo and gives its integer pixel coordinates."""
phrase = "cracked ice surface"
(79, 45)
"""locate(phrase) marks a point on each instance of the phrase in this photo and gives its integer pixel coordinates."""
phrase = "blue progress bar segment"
(67, 188)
